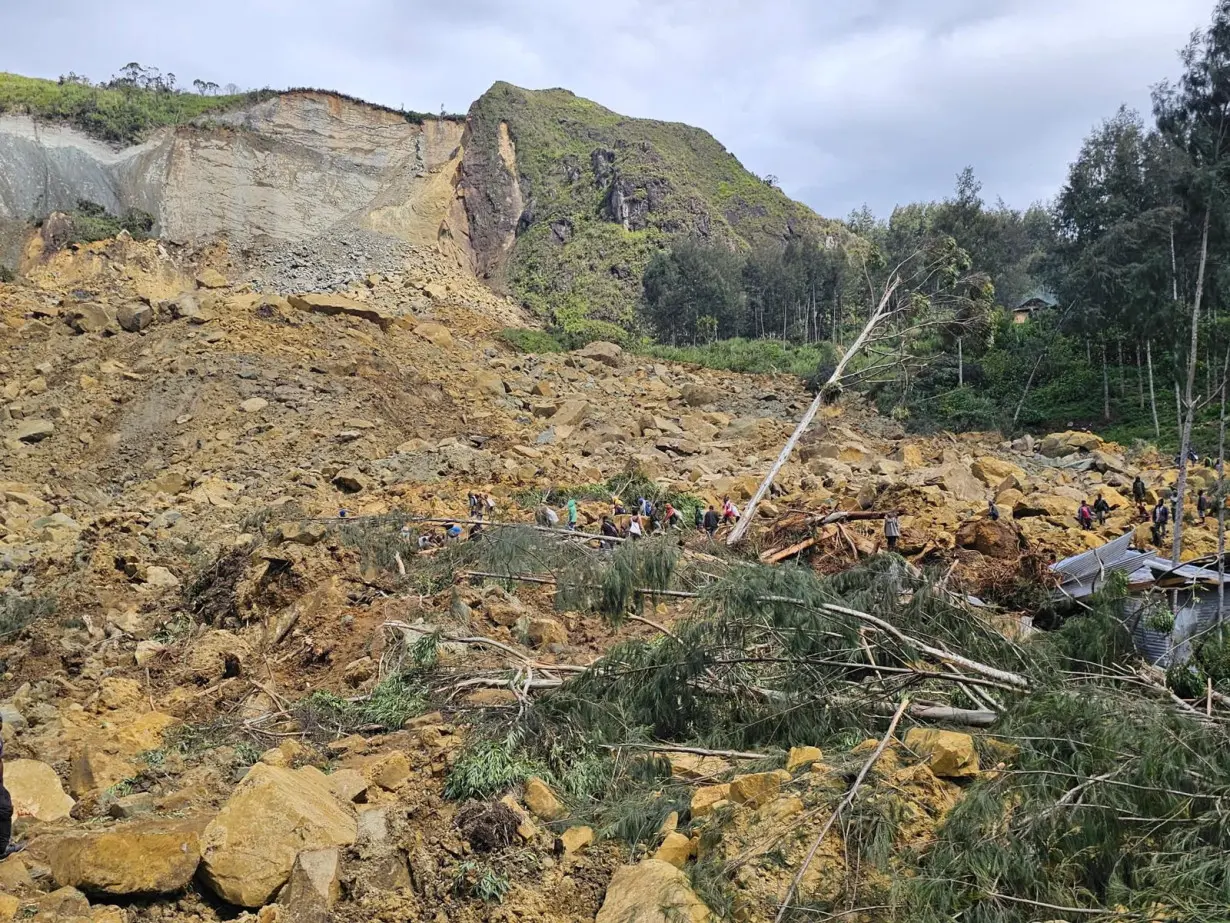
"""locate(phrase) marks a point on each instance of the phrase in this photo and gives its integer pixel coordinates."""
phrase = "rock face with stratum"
(652, 891)
(274, 814)
(144, 857)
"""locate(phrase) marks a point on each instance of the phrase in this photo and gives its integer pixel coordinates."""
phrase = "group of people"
(1086, 514)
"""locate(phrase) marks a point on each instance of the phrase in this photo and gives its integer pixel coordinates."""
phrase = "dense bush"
(93, 222)
(530, 341)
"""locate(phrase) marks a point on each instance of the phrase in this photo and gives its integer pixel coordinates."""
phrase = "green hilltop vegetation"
(117, 112)
(605, 192)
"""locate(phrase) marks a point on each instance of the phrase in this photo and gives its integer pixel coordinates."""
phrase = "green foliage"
(760, 357)
(530, 341)
(475, 879)
(486, 768)
(395, 700)
(608, 586)
(575, 254)
(18, 612)
(121, 114)
(91, 222)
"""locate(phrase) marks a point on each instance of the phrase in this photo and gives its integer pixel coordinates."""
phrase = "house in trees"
(1037, 301)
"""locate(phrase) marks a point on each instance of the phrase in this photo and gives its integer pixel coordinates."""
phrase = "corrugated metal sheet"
(1096, 560)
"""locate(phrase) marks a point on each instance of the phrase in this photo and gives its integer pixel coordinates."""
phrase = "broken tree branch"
(842, 805)
(882, 310)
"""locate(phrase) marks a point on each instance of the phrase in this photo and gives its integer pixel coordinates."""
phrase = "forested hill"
(568, 200)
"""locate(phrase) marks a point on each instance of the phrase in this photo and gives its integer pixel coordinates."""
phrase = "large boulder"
(608, 354)
(1060, 509)
(697, 395)
(249, 849)
(325, 303)
(949, 754)
(652, 891)
(1058, 445)
(994, 538)
(87, 318)
(145, 857)
(36, 790)
(994, 471)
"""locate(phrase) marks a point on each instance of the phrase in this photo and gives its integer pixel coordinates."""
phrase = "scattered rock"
(350, 481)
(249, 849)
(652, 891)
(339, 304)
(435, 333)
(993, 471)
(254, 405)
(755, 789)
(314, 887)
(994, 538)
(676, 849)
(545, 631)
(87, 318)
(802, 757)
(135, 317)
(542, 801)
(156, 576)
(575, 839)
(301, 533)
(569, 413)
(211, 278)
(608, 354)
(699, 395)
(707, 797)
(950, 754)
(33, 431)
(36, 790)
(143, 857)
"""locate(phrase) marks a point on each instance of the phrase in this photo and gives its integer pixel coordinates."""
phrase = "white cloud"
(846, 101)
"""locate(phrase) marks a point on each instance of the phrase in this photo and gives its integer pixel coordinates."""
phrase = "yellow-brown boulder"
(274, 814)
(652, 891)
(950, 754)
(146, 857)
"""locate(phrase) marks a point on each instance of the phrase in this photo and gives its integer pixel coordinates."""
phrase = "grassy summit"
(603, 191)
(118, 115)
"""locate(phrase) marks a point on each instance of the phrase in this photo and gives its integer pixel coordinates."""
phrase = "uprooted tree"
(931, 291)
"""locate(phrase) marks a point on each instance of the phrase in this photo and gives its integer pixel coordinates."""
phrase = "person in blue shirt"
(453, 531)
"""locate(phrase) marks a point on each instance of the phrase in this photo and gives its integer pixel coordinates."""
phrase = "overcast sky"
(846, 101)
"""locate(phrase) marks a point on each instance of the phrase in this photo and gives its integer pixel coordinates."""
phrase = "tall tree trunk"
(1140, 379)
(1221, 498)
(1122, 373)
(1157, 427)
(1189, 396)
(960, 364)
(1105, 387)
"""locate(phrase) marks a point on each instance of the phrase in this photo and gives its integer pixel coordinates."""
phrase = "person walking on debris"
(634, 528)
(452, 531)
(698, 517)
(992, 511)
(610, 530)
(711, 521)
(1138, 490)
(1161, 518)
(6, 806)
(1100, 509)
(475, 509)
(1084, 515)
(1202, 506)
(646, 508)
(617, 507)
(671, 518)
(1142, 512)
(572, 515)
(730, 512)
(892, 530)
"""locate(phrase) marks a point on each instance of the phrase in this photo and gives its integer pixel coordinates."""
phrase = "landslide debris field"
(236, 686)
